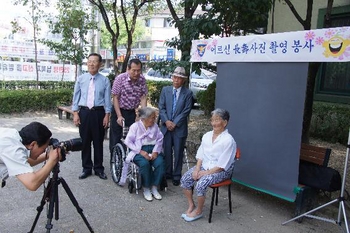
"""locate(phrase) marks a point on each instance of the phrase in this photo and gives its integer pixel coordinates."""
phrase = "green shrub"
(18, 101)
(206, 99)
(330, 122)
(154, 90)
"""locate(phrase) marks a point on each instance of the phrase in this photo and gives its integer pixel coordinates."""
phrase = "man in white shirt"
(21, 150)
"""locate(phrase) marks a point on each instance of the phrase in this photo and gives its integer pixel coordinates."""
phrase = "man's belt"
(128, 110)
(93, 108)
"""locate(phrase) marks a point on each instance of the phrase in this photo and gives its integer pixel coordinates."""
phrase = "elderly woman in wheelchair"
(145, 141)
(215, 159)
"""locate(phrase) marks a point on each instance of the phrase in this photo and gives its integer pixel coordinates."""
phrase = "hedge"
(19, 101)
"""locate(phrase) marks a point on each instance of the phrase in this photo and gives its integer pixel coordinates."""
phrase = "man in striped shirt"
(129, 92)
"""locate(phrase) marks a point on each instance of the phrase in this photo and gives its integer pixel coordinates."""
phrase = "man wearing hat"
(175, 105)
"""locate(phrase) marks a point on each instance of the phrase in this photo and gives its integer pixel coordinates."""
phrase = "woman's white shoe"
(156, 194)
(147, 194)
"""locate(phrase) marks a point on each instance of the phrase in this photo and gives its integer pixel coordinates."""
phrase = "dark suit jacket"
(183, 109)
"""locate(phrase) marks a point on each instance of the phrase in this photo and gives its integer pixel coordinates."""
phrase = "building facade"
(152, 47)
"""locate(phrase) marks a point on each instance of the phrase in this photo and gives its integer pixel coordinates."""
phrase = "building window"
(147, 22)
(145, 44)
(335, 76)
(167, 22)
(135, 45)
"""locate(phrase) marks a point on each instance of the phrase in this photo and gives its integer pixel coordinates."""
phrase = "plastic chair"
(216, 187)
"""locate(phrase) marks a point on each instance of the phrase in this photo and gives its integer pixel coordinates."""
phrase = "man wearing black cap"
(175, 105)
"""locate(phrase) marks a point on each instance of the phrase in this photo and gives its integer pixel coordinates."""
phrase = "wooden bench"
(68, 110)
(306, 194)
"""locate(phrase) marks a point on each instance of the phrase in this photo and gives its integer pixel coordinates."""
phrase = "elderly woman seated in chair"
(215, 159)
(145, 140)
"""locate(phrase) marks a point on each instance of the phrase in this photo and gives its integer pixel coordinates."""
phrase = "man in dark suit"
(175, 105)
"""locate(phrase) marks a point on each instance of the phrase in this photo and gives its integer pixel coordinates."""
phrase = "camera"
(74, 144)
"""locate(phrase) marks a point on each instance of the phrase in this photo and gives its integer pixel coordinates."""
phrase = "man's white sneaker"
(147, 194)
(156, 195)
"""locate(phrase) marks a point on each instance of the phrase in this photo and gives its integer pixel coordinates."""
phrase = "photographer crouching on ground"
(21, 150)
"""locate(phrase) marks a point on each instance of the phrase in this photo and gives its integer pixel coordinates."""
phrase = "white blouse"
(220, 153)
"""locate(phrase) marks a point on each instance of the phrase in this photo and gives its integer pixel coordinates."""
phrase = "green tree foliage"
(110, 12)
(206, 98)
(218, 17)
(73, 23)
(123, 38)
(237, 17)
(183, 23)
(130, 9)
(313, 66)
(36, 13)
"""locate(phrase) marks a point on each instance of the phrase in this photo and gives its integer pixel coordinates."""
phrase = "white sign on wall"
(321, 45)
(25, 49)
(10, 70)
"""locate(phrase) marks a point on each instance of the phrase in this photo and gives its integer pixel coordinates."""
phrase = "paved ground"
(110, 208)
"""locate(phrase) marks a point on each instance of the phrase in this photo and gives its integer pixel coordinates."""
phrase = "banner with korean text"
(261, 80)
(320, 45)
(10, 70)
(25, 49)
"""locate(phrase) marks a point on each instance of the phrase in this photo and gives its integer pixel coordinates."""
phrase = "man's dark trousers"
(91, 130)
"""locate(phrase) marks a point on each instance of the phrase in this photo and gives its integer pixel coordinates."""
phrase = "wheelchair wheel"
(163, 185)
(138, 180)
(118, 154)
(135, 178)
(130, 186)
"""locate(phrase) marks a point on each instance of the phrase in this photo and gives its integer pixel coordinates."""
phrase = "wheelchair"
(121, 171)
(129, 172)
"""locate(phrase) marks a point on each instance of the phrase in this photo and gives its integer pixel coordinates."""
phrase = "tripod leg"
(75, 203)
(56, 202)
(52, 203)
(311, 211)
(40, 207)
(342, 207)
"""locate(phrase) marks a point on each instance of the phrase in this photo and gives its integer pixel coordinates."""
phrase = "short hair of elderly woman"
(224, 114)
(146, 112)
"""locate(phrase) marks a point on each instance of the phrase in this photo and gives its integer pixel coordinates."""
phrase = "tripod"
(51, 196)
(340, 199)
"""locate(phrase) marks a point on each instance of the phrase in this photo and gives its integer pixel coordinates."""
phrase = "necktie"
(174, 103)
(91, 94)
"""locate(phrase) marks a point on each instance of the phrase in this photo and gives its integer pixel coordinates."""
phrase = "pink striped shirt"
(129, 92)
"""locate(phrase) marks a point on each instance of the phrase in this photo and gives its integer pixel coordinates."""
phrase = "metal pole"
(341, 204)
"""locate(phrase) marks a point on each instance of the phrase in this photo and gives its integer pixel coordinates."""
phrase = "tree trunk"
(115, 54)
(63, 70)
(35, 45)
(310, 89)
(273, 16)
(311, 81)
(313, 66)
